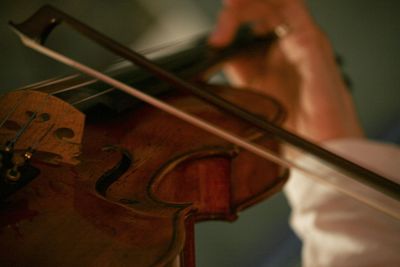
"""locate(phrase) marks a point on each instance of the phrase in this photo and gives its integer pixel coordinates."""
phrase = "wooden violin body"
(143, 179)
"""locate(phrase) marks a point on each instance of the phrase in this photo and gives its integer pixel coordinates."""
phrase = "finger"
(261, 16)
(226, 28)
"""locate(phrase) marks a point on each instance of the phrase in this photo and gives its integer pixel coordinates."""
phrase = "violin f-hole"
(112, 175)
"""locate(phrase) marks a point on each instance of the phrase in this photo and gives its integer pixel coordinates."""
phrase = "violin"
(125, 189)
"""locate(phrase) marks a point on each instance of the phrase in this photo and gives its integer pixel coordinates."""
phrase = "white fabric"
(337, 230)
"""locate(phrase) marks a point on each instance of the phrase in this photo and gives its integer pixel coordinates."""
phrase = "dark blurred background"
(365, 33)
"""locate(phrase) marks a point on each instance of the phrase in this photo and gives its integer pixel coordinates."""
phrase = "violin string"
(52, 81)
(12, 111)
(256, 149)
(82, 100)
(39, 141)
(73, 87)
(26, 126)
(59, 80)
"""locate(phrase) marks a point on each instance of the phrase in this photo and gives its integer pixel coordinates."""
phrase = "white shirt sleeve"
(337, 230)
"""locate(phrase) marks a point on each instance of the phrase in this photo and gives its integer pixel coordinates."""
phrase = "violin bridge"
(50, 127)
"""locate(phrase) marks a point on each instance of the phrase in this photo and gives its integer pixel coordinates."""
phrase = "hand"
(300, 70)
